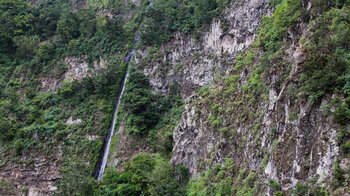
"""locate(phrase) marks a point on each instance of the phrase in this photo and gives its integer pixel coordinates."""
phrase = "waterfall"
(111, 131)
(110, 135)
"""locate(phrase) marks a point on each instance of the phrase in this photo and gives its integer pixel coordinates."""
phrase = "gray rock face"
(187, 137)
(305, 147)
(243, 19)
(37, 175)
(77, 69)
(293, 142)
(192, 63)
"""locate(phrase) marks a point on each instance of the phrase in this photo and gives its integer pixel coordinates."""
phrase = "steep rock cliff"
(274, 132)
(193, 62)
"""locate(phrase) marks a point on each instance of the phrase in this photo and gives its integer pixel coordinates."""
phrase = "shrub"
(140, 104)
(338, 173)
(276, 187)
(19, 146)
(64, 26)
(300, 189)
(7, 128)
(145, 174)
(66, 91)
(27, 46)
(76, 179)
(275, 27)
(162, 180)
(223, 130)
(345, 148)
(342, 114)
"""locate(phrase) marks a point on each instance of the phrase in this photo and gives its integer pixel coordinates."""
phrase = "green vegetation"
(308, 188)
(343, 140)
(164, 17)
(225, 180)
(274, 28)
(145, 174)
(326, 67)
(276, 188)
(140, 104)
(149, 115)
(342, 114)
(36, 39)
(325, 71)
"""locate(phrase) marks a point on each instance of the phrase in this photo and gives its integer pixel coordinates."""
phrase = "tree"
(145, 174)
(27, 46)
(67, 26)
(7, 128)
(87, 24)
(162, 180)
(15, 20)
(204, 12)
(159, 22)
(140, 103)
(76, 180)
(49, 14)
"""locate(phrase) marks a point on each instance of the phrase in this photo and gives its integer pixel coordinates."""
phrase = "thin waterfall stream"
(111, 130)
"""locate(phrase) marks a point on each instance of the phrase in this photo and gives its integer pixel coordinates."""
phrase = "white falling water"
(105, 155)
(127, 59)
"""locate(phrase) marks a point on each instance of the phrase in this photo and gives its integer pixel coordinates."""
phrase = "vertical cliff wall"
(250, 110)
(193, 62)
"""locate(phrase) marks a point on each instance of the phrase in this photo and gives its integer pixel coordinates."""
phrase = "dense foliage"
(36, 39)
(140, 103)
(144, 175)
(164, 17)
